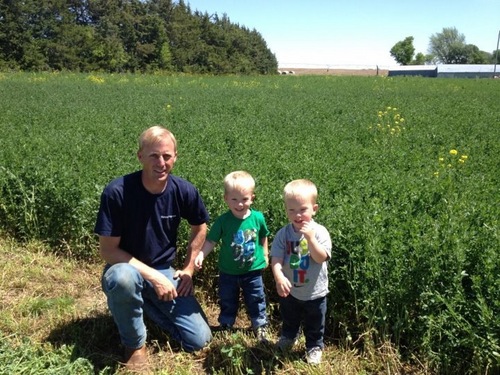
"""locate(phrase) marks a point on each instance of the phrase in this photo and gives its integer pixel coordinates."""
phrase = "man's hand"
(185, 287)
(164, 288)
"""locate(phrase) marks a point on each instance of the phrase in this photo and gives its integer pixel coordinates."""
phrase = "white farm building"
(447, 70)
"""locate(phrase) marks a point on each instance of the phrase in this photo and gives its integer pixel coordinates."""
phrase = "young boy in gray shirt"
(300, 253)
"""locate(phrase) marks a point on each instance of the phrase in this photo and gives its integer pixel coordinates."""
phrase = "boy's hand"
(198, 261)
(283, 286)
(307, 229)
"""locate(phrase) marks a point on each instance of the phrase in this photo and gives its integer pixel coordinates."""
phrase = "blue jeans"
(311, 314)
(129, 296)
(252, 285)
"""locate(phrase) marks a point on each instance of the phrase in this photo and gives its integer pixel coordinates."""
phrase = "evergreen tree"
(126, 35)
(18, 47)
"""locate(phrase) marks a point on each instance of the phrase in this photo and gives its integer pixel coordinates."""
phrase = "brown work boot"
(136, 360)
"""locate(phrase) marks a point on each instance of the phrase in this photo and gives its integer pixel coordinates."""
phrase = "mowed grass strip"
(54, 320)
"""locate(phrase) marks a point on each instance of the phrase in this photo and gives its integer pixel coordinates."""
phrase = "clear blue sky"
(318, 33)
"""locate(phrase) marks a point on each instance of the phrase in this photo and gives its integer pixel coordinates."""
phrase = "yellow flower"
(95, 79)
(464, 157)
(461, 160)
(441, 159)
(453, 152)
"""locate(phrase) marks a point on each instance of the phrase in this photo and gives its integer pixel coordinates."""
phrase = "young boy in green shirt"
(243, 254)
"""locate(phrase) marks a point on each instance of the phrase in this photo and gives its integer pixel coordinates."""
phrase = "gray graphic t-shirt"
(309, 279)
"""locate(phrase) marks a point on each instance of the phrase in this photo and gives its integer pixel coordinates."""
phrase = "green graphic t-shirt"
(240, 248)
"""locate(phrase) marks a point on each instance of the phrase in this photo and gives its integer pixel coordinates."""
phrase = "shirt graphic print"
(243, 247)
(299, 261)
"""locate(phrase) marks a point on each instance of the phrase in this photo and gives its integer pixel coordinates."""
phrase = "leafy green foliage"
(449, 47)
(131, 35)
(403, 51)
(32, 359)
(412, 211)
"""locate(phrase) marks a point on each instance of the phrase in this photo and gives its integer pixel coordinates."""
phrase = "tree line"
(446, 47)
(127, 36)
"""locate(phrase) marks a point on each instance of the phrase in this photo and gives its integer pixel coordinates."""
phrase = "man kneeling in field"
(137, 224)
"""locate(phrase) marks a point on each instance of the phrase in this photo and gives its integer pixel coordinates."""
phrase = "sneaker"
(261, 334)
(284, 343)
(313, 355)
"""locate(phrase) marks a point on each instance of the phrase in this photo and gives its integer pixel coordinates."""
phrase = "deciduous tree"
(448, 47)
(403, 51)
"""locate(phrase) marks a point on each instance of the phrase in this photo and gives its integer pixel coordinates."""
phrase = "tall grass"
(407, 171)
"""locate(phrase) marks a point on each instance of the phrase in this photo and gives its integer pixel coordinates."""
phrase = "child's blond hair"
(239, 180)
(301, 188)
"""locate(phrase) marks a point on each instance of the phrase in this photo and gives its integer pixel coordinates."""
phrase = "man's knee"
(121, 279)
(198, 341)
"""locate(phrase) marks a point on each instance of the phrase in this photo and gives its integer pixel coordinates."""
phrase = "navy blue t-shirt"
(148, 223)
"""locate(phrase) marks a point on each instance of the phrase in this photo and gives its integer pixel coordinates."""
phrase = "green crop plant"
(415, 226)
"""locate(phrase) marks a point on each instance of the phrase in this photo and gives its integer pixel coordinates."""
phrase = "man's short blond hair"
(239, 180)
(301, 188)
(155, 134)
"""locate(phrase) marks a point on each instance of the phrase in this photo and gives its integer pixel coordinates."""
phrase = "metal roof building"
(446, 70)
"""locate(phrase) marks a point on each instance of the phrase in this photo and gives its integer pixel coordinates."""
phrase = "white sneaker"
(313, 355)
(261, 333)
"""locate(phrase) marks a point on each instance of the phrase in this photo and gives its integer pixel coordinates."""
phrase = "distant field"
(407, 171)
(338, 72)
